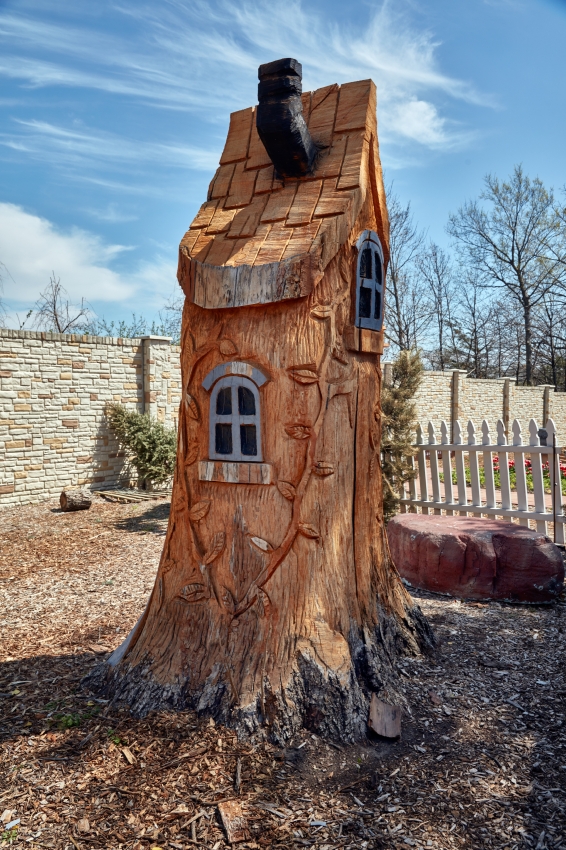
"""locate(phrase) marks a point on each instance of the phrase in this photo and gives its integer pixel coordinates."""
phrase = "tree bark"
(276, 605)
(75, 500)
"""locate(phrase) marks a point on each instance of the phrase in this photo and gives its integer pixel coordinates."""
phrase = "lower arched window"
(369, 282)
(235, 431)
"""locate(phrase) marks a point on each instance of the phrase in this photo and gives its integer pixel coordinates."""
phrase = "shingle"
(257, 156)
(201, 247)
(236, 147)
(245, 254)
(350, 174)
(222, 181)
(204, 215)
(301, 240)
(304, 203)
(323, 110)
(264, 180)
(220, 251)
(279, 204)
(329, 163)
(241, 187)
(189, 239)
(332, 202)
(272, 249)
(246, 220)
(354, 105)
(221, 221)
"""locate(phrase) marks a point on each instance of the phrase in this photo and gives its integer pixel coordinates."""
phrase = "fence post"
(506, 406)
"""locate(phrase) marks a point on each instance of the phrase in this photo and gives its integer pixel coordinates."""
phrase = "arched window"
(369, 283)
(235, 422)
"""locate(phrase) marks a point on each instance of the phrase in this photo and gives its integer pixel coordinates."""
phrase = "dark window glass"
(223, 438)
(365, 264)
(224, 401)
(365, 302)
(377, 310)
(248, 439)
(378, 269)
(246, 402)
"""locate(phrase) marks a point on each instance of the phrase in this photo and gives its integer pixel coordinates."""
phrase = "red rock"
(474, 558)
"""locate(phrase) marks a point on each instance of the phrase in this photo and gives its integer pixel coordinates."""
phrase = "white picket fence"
(427, 492)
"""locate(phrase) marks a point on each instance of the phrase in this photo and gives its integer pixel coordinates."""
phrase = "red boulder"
(474, 558)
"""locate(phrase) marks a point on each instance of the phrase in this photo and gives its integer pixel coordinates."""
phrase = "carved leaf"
(308, 531)
(339, 352)
(192, 408)
(321, 311)
(227, 348)
(286, 489)
(304, 376)
(192, 453)
(262, 544)
(298, 432)
(193, 593)
(200, 510)
(216, 547)
(322, 468)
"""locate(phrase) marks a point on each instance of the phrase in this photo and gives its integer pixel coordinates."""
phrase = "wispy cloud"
(201, 57)
(82, 260)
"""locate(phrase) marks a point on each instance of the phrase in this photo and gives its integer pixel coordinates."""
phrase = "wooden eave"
(258, 239)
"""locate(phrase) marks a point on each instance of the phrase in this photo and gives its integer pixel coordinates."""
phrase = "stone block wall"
(53, 392)
(451, 396)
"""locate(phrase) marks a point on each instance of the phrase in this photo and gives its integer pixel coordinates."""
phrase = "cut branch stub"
(287, 489)
(304, 376)
(216, 547)
(298, 432)
(322, 469)
(308, 531)
(199, 511)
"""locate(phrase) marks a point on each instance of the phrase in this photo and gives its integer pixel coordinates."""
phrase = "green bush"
(151, 447)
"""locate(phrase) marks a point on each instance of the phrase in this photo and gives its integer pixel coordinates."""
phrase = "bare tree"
(514, 244)
(54, 311)
(407, 312)
(437, 282)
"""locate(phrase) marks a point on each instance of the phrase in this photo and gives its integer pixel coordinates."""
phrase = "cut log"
(75, 500)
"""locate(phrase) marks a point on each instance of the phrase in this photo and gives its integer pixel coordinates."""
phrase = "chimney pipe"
(279, 118)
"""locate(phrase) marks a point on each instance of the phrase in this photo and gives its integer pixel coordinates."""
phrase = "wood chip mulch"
(481, 762)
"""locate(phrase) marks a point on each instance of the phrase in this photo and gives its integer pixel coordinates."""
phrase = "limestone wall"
(451, 395)
(53, 393)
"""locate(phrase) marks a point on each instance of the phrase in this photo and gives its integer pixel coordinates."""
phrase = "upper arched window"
(369, 282)
(235, 422)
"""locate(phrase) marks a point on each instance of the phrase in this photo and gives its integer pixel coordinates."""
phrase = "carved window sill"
(235, 472)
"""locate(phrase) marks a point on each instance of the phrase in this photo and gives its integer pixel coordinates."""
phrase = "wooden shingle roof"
(258, 239)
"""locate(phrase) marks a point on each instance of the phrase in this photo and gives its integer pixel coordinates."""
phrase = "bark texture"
(277, 605)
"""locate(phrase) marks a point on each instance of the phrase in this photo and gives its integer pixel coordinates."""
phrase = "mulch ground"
(481, 761)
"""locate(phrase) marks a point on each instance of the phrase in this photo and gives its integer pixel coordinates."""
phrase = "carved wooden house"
(274, 560)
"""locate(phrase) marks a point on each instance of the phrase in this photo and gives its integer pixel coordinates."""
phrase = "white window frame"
(235, 419)
(370, 239)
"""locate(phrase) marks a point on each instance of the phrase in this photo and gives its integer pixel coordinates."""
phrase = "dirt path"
(481, 761)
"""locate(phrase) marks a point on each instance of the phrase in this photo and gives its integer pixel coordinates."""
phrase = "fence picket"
(538, 479)
(446, 468)
(555, 482)
(434, 466)
(460, 467)
(503, 466)
(474, 468)
(520, 474)
(423, 480)
(488, 467)
(499, 501)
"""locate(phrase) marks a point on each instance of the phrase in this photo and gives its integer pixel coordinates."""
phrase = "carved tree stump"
(75, 500)
(276, 604)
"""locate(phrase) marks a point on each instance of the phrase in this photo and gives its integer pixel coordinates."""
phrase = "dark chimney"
(279, 119)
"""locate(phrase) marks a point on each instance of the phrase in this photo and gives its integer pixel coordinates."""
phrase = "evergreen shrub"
(151, 447)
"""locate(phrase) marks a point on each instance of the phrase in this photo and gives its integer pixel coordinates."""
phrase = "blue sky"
(113, 116)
